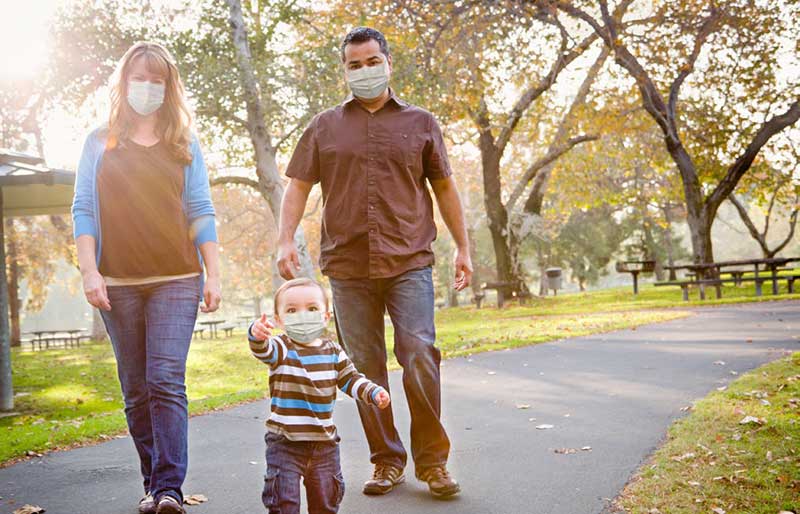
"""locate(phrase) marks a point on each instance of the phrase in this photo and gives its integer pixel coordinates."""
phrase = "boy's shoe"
(169, 505)
(384, 479)
(147, 505)
(440, 483)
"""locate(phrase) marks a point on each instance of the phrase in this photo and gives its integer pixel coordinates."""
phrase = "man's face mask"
(145, 97)
(368, 82)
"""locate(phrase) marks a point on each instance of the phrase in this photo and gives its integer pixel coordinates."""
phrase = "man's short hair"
(364, 34)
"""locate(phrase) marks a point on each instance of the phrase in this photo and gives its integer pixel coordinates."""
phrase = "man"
(372, 156)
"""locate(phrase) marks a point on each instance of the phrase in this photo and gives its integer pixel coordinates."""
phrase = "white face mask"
(368, 82)
(145, 97)
(304, 326)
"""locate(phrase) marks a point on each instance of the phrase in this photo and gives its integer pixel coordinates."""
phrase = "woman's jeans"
(151, 327)
(359, 305)
(316, 462)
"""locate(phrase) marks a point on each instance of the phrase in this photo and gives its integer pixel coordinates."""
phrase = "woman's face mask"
(145, 97)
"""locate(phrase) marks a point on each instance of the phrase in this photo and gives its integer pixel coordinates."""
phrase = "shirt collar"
(392, 98)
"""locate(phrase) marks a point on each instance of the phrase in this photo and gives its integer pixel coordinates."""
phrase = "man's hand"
(94, 287)
(288, 260)
(262, 328)
(212, 294)
(463, 265)
(382, 399)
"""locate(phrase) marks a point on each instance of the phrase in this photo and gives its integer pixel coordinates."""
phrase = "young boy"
(304, 373)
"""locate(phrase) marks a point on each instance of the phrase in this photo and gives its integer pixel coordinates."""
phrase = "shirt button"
(371, 207)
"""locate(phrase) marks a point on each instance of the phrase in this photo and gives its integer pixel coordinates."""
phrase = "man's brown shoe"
(384, 479)
(440, 483)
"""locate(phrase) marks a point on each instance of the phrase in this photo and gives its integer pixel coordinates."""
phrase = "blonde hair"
(174, 118)
(297, 282)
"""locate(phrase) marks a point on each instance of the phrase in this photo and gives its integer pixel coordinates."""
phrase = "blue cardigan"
(196, 194)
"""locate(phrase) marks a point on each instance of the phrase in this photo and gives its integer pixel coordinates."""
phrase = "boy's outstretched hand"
(382, 399)
(261, 329)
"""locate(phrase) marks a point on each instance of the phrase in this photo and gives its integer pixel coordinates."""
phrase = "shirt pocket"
(406, 150)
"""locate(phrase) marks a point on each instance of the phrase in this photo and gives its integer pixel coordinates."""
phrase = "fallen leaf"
(195, 499)
(544, 427)
(523, 406)
(586, 448)
(693, 483)
(565, 451)
(491, 373)
(769, 455)
(722, 388)
(719, 363)
(717, 510)
(752, 419)
(683, 457)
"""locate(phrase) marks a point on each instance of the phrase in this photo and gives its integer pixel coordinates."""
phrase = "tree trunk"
(269, 180)
(6, 384)
(13, 283)
(668, 242)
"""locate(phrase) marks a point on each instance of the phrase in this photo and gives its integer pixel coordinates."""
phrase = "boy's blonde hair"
(298, 282)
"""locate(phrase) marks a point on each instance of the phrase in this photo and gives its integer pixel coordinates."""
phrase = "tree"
(773, 185)
(745, 38)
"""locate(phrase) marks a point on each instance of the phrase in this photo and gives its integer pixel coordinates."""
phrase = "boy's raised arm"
(264, 346)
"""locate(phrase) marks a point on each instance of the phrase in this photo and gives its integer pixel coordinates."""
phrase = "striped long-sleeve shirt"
(302, 383)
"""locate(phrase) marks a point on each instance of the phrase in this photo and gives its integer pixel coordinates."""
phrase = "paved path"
(615, 392)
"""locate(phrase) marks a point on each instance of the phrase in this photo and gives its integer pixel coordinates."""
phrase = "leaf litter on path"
(195, 499)
(29, 509)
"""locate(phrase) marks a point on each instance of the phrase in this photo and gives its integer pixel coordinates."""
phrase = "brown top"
(143, 225)
(377, 218)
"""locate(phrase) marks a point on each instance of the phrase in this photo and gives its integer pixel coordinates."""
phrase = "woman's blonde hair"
(174, 118)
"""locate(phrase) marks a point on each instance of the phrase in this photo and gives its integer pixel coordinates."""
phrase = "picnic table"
(710, 273)
(69, 337)
(212, 326)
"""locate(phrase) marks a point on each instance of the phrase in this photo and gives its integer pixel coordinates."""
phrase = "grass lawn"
(67, 397)
(712, 463)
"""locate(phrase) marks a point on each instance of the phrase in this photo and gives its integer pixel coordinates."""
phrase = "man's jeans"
(359, 305)
(151, 327)
(316, 462)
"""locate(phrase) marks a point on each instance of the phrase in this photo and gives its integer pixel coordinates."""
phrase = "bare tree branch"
(240, 181)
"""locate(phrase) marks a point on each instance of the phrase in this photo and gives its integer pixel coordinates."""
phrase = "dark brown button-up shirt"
(377, 218)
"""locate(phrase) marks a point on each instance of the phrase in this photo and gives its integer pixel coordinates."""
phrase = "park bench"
(477, 299)
(634, 268)
(228, 328)
(198, 331)
(504, 290)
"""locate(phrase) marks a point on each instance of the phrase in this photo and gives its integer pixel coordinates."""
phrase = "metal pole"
(6, 386)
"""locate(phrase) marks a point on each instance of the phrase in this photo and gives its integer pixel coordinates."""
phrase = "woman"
(144, 226)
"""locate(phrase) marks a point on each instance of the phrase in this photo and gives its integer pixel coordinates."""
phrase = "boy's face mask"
(145, 97)
(304, 326)
(368, 82)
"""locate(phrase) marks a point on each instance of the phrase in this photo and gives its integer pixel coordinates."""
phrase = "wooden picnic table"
(212, 326)
(634, 268)
(706, 270)
(73, 336)
(708, 273)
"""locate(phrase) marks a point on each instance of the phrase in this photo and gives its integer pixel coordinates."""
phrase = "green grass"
(68, 397)
(711, 461)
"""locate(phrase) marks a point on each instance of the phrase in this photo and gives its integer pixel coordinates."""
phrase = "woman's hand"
(94, 287)
(262, 328)
(382, 399)
(212, 294)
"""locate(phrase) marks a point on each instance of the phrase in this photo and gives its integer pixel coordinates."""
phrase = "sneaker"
(169, 505)
(147, 505)
(384, 479)
(440, 483)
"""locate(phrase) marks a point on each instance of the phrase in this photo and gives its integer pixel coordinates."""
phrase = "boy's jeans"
(359, 305)
(151, 328)
(316, 462)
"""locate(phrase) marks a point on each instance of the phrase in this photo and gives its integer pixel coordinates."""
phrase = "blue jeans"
(316, 462)
(151, 328)
(359, 305)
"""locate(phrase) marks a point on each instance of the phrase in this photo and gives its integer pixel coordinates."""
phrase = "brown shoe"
(440, 483)
(384, 479)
